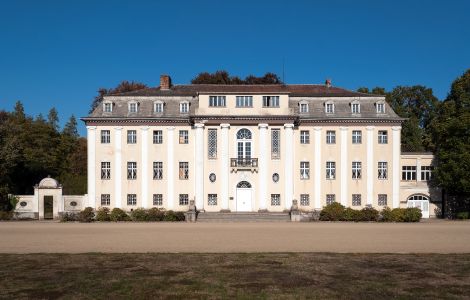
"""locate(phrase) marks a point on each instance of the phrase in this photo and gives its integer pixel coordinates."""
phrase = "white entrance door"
(421, 202)
(243, 199)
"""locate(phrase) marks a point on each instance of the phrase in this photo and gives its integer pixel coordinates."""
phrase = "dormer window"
(355, 108)
(158, 107)
(184, 107)
(133, 107)
(270, 101)
(380, 107)
(303, 107)
(107, 107)
(330, 108)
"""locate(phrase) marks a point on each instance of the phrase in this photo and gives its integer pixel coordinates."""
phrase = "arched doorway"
(421, 202)
(244, 140)
(244, 196)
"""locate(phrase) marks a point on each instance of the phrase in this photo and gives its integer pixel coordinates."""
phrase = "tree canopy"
(223, 77)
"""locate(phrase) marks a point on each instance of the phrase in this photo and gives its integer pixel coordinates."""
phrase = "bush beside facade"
(337, 212)
(104, 214)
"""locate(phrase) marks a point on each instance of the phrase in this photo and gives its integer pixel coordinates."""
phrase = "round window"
(73, 203)
(275, 177)
(212, 177)
(23, 203)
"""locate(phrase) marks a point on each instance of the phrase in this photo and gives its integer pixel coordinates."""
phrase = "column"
(396, 145)
(91, 155)
(370, 165)
(317, 164)
(170, 165)
(225, 166)
(263, 165)
(199, 171)
(344, 166)
(145, 163)
(117, 167)
(289, 165)
(418, 169)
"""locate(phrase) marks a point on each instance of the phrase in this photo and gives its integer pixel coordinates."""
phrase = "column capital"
(144, 128)
(199, 125)
(118, 128)
(263, 126)
(288, 126)
(370, 128)
(225, 126)
(317, 128)
(171, 128)
(343, 128)
(91, 127)
(396, 128)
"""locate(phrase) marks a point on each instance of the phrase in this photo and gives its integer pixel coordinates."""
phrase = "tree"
(123, 87)
(70, 127)
(223, 77)
(53, 118)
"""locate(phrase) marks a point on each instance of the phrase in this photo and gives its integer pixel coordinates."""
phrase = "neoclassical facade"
(251, 148)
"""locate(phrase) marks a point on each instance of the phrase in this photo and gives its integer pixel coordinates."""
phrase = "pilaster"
(144, 175)
(344, 166)
(171, 168)
(117, 178)
(371, 175)
(289, 165)
(225, 166)
(262, 165)
(91, 159)
(396, 145)
(199, 156)
(317, 164)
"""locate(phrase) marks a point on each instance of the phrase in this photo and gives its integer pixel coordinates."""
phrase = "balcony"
(250, 164)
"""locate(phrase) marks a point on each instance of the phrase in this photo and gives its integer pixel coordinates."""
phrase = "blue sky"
(58, 53)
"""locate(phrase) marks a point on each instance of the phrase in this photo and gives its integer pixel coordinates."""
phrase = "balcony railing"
(244, 163)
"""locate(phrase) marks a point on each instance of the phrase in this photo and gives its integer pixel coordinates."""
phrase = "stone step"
(242, 217)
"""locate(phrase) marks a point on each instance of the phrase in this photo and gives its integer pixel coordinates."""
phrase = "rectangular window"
(303, 107)
(184, 138)
(132, 137)
(356, 200)
(105, 199)
(330, 108)
(244, 101)
(158, 137)
(305, 137)
(383, 137)
(382, 170)
(357, 137)
(105, 170)
(212, 199)
(216, 101)
(184, 170)
(275, 199)
(131, 170)
(157, 199)
(157, 170)
(275, 144)
(426, 173)
(304, 199)
(108, 107)
(184, 200)
(331, 137)
(408, 173)
(131, 199)
(382, 200)
(330, 198)
(270, 101)
(105, 137)
(184, 107)
(158, 107)
(355, 108)
(380, 108)
(304, 170)
(330, 170)
(356, 170)
(133, 107)
(212, 143)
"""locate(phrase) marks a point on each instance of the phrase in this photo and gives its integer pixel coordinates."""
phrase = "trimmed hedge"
(87, 215)
(337, 212)
(118, 214)
(103, 215)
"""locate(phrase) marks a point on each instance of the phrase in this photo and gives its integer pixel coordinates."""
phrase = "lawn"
(243, 276)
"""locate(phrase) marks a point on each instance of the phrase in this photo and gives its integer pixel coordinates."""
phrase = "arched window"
(244, 145)
(418, 197)
(244, 185)
(420, 201)
(244, 134)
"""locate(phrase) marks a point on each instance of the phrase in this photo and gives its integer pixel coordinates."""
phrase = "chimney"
(165, 82)
(328, 83)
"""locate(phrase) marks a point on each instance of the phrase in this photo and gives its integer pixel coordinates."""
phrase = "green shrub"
(139, 215)
(118, 214)
(332, 212)
(351, 214)
(69, 217)
(171, 216)
(6, 215)
(386, 215)
(102, 214)
(180, 216)
(398, 215)
(412, 214)
(87, 215)
(368, 214)
(463, 215)
(155, 214)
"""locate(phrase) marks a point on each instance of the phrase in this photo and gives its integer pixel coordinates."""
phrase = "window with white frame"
(426, 173)
(304, 199)
(184, 107)
(212, 199)
(329, 108)
(356, 170)
(158, 199)
(383, 137)
(105, 199)
(356, 137)
(105, 137)
(355, 108)
(304, 170)
(382, 200)
(304, 107)
(158, 107)
(212, 143)
(275, 144)
(184, 170)
(131, 199)
(380, 107)
(330, 198)
(305, 137)
(244, 101)
(382, 168)
(275, 199)
(132, 137)
(408, 173)
(331, 137)
(131, 170)
(270, 101)
(330, 170)
(107, 107)
(184, 137)
(158, 137)
(157, 170)
(184, 199)
(356, 200)
(105, 170)
(216, 101)
(133, 107)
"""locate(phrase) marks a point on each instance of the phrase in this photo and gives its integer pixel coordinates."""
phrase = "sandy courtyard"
(426, 237)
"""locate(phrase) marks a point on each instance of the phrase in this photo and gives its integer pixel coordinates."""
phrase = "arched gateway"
(244, 196)
(421, 202)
